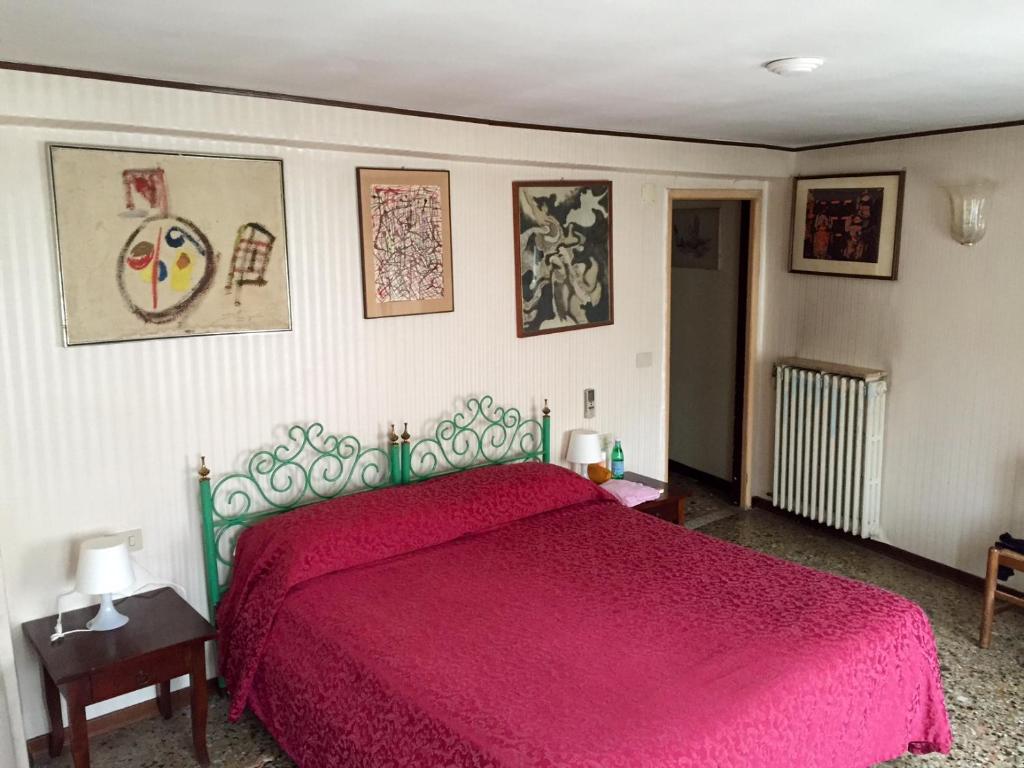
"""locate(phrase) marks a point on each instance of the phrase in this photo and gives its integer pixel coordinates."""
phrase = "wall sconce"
(968, 208)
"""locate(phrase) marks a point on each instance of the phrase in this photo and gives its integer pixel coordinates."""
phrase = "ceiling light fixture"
(795, 65)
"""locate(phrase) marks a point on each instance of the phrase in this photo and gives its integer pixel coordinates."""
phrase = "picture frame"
(847, 225)
(405, 241)
(562, 240)
(159, 244)
(695, 235)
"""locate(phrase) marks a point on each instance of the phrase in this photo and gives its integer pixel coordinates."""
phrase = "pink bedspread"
(568, 632)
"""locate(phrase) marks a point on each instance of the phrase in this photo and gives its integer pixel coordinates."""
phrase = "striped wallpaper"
(949, 332)
(107, 437)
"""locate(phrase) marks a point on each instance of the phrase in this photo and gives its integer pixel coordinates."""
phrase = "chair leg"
(990, 597)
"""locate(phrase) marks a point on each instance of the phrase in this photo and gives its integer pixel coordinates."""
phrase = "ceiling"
(683, 69)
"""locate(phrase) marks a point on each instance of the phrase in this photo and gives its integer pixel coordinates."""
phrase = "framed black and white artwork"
(563, 251)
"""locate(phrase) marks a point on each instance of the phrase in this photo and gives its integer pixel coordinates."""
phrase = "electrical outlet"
(589, 404)
(133, 538)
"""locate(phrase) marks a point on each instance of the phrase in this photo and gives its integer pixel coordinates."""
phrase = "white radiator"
(829, 426)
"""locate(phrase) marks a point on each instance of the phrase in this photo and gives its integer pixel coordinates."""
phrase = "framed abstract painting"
(158, 244)
(563, 247)
(406, 231)
(847, 225)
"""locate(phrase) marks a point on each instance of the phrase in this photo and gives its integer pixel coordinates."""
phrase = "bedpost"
(545, 433)
(394, 461)
(209, 541)
(406, 455)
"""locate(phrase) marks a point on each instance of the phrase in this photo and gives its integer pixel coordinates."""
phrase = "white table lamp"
(584, 449)
(104, 567)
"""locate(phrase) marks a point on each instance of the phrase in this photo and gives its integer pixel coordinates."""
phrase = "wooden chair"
(997, 557)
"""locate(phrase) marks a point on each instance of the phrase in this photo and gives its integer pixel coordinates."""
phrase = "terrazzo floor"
(984, 689)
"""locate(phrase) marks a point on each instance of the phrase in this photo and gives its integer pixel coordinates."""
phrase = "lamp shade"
(104, 566)
(968, 203)
(584, 447)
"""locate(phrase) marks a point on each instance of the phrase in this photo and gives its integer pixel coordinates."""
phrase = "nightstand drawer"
(138, 673)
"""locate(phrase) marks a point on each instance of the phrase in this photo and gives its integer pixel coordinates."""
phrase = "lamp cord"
(58, 629)
(175, 586)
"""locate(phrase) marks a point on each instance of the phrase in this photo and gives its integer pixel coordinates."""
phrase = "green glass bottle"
(618, 463)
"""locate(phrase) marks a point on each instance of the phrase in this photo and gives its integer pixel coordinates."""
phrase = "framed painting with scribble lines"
(158, 244)
(405, 226)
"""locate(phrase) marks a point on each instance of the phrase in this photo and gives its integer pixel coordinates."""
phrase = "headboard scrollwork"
(313, 465)
(482, 433)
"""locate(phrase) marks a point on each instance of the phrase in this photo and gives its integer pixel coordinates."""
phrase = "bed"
(517, 615)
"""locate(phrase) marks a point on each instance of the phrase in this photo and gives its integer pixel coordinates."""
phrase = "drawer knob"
(141, 677)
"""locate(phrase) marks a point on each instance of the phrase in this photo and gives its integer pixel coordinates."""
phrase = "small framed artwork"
(563, 251)
(695, 238)
(406, 232)
(157, 244)
(847, 225)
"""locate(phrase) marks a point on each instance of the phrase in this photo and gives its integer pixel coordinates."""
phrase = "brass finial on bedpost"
(204, 471)
(405, 432)
(392, 435)
(546, 411)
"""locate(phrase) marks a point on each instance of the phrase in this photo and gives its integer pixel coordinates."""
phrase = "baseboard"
(700, 475)
(38, 747)
(922, 563)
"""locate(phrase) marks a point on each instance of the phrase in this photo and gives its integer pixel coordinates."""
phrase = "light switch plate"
(133, 538)
(589, 404)
(644, 359)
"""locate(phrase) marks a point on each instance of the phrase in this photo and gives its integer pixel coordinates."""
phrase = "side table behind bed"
(669, 506)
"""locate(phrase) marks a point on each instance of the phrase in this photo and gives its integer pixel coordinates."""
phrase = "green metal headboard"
(313, 466)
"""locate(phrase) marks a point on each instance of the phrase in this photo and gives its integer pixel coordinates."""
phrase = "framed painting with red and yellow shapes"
(154, 244)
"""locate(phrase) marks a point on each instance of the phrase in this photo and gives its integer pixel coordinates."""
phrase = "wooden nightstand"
(670, 506)
(164, 638)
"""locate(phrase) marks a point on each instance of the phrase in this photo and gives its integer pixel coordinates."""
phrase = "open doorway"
(711, 265)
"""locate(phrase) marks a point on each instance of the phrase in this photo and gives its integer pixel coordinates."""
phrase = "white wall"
(949, 332)
(9, 746)
(82, 453)
(12, 735)
(702, 362)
